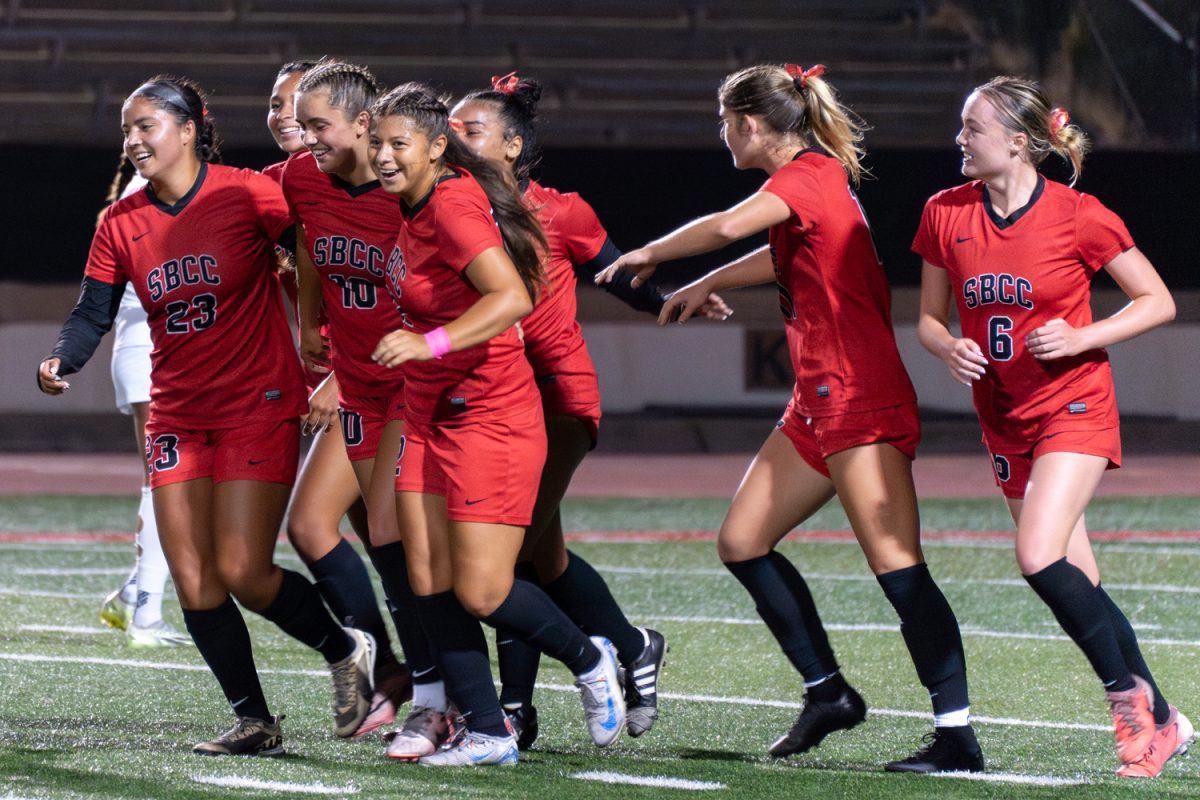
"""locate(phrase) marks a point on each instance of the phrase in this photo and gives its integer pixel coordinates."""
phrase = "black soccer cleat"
(524, 722)
(641, 683)
(943, 752)
(819, 719)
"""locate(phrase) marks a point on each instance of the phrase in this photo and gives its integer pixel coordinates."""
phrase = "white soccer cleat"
(602, 696)
(475, 750)
(157, 634)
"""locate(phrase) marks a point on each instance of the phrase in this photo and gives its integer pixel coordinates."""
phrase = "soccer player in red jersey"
(851, 428)
(1017, 253)
(348, 226)
(197, 245)
(465, 270)
(499, 124)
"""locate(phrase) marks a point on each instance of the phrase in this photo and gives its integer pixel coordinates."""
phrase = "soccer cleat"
(641, 684)
(115, 612)
(943, 752)
(423, 732)
(1133, 720)
(352, 680)
(156, 634)
(524, 721)
(475, 750)
(249, 736)
(1170, 739)
(603, 705)
(819, 719)
(393, 689)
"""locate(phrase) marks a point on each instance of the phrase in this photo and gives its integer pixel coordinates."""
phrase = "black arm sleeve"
(287, 239)
(646, 297)
(92, 317)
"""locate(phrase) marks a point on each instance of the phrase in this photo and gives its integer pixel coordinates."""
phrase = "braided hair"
(185, 100)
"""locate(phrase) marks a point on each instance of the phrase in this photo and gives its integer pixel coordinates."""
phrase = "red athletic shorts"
(569, 388)
(1012, 469)
(817, 438)
(267, 451)
(488, 470)
(363, 420)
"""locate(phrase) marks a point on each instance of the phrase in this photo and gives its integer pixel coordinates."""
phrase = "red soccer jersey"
(439, 237)
(833, 294)
(1011, 276)
(204, 270)
(575, 236)
(350, 231)
(275, 171)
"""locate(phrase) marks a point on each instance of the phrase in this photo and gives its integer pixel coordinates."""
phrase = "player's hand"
(401, 346)
(636, 261)
(715, 308)
(322, 407)
(48, 380)
(682, 304)
(1055, 339)
(965, 361)
(314, 349)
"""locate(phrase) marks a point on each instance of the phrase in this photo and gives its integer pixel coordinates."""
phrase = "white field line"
(234, 782)
(37, 658)
(1012, 777)
(653, 781)
(91, 631)
(1162, 588)
(41, 593)
(871, 627)
(69, 571)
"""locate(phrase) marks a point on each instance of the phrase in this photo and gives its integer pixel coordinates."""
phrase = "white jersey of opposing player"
(131, 341)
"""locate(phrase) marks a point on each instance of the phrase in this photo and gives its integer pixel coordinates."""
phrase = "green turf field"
(83, 715)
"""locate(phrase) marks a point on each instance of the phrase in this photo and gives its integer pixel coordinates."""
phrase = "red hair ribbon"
(204, 112)
(506, 84)
(800, 75)
(1059, 119)
(457, 125)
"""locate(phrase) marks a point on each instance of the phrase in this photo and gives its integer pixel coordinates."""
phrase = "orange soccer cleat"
(1133, 720)
(1170, 739)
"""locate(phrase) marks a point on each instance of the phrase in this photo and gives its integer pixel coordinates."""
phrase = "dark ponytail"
(185, 99)
(522, 233)
(516, 99)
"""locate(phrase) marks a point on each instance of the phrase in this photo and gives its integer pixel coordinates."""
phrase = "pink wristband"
(438, 341)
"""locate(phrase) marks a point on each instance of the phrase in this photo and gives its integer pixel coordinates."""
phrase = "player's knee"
(480, 601)
(312, 537)
(735, 546)
(1033, 557)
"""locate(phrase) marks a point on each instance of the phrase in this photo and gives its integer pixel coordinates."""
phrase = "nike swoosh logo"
(256, 461)
(961, 239)
(140, 235)
(473, 502)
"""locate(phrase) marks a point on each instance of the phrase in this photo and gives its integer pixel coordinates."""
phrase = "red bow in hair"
(800, 75)
(204, 112)
(506, 84)
(457, 125)
(1059, 119)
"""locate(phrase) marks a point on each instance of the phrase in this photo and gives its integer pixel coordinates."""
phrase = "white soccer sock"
(953, 719)
(152, 564)
(429, 695)
(149, 609)
(129, 588)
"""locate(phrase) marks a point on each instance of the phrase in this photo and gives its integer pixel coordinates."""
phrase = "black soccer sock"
(343, 581)
(784, 602)
(1132, 653)
(517, 658)
(586, 599)
(462, 658)
(299, 612)
(930, 631)
(392, 567)
(1081, 613)
(535, 618)
(221, 637)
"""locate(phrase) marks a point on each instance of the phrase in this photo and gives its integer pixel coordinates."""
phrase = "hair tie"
(506, 84)
(1059, 119)
(800, 75)
(204, 112)
(456, 125)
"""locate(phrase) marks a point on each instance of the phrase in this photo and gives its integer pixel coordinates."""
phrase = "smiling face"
(333, 139)
(154, 142)
(989, 149)
(403, 157)
(281, 116)
(484, 131)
